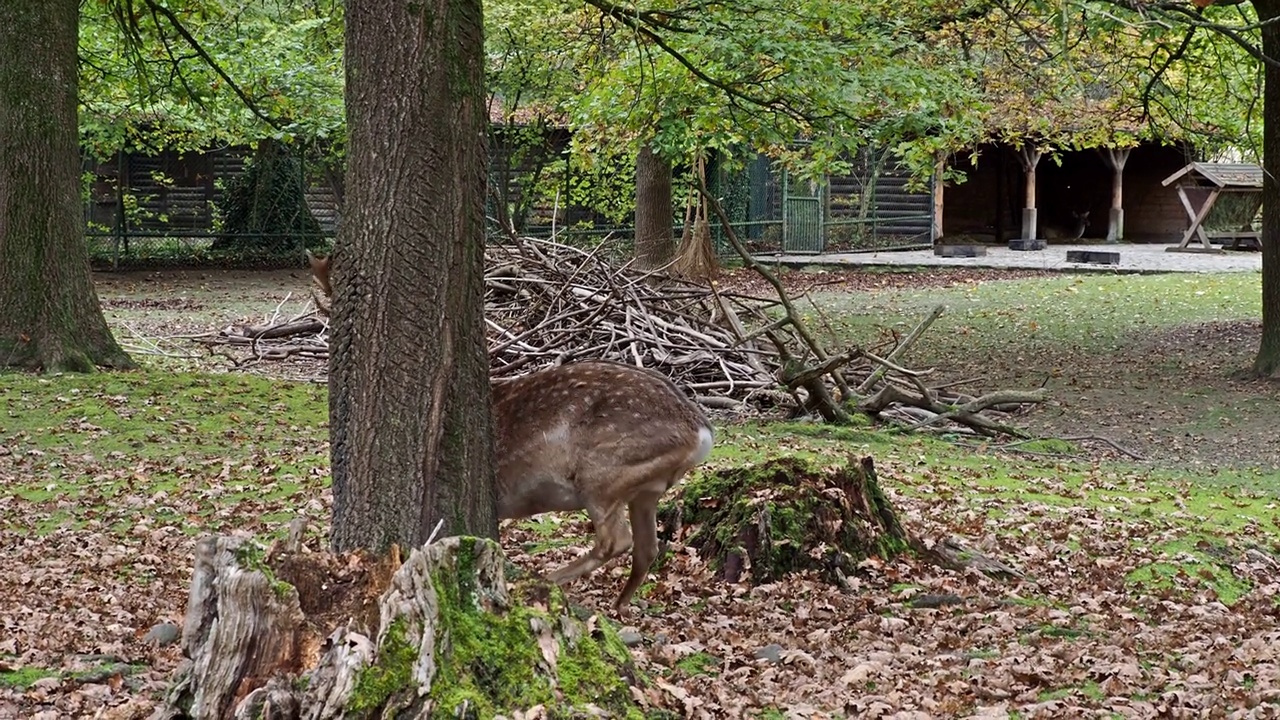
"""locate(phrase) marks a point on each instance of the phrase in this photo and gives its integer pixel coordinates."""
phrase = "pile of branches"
(547, 303)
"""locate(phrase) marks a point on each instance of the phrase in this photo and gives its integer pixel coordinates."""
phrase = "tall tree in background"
(655, 239)
(1253, 28)
(409, 375)
(50, 318)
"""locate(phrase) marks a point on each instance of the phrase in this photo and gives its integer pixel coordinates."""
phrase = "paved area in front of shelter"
(1150, 258)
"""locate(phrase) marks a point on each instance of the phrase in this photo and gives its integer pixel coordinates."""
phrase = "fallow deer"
(601, 436)
(596, 435)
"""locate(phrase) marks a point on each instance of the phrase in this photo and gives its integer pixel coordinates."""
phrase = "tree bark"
(655, 241)
(1267, 362)
(409, 411)
(52, 320)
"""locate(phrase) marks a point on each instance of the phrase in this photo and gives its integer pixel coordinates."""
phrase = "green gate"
(802, 216)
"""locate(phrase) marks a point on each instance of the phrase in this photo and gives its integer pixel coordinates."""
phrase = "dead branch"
(968, 414)
(793, 315)
(906, 344)
(1078, 438)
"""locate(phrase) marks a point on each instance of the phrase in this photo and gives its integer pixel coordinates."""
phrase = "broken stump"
(764, 521)
(447, 638)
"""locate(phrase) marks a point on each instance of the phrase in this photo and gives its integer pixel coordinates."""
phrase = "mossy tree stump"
(441, 635)
(765, 521)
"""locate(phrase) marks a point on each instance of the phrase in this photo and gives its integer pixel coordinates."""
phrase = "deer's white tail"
(601, 436)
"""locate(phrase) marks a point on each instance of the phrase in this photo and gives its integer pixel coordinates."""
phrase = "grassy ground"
(1150, 590)
(1148, 361)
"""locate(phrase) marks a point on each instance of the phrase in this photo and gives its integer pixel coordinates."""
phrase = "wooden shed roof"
(1223, 175)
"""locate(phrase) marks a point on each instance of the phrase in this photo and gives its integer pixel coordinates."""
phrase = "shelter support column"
(1115, 159)
(1029, 158)
(939, 168)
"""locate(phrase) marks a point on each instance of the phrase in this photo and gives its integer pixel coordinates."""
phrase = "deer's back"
(566, 431)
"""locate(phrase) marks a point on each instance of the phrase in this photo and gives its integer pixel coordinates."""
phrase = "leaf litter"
(97, 532)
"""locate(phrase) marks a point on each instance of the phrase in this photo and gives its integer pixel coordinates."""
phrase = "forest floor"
(1151, 586)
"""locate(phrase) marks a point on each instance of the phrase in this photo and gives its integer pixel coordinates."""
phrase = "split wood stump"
(291, 635)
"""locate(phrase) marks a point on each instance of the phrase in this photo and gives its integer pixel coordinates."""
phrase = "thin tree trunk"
(655, 241)
(51, 319)
(1267, 362)
(409, 411)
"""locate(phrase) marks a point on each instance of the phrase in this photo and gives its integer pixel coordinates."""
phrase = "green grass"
(100, 448)
(23, 678)
(549, 531)
(1089, 689)
(699, 664)
(145, 414)
(1193, 561)
(86, 448)
(1079, 312)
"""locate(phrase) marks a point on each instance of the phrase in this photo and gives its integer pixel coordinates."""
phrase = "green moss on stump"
(491, 661)
(392, 674)
(773, 516)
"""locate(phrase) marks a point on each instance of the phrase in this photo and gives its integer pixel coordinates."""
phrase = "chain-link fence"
(871, 207)
(231, 207)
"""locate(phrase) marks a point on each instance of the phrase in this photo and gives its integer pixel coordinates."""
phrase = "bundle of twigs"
(547, 302)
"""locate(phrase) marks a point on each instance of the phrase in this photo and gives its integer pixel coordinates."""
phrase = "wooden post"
(1115, 159)
(939, 167)
(1197, 218)
(1029, 157)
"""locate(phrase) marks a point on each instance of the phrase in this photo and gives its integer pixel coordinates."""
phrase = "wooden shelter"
(1012, 193)
(1221, 200)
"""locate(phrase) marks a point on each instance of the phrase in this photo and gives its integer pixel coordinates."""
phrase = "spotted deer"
(600, 436)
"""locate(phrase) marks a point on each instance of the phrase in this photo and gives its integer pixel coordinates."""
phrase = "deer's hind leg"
(644, 549)
(612, 539)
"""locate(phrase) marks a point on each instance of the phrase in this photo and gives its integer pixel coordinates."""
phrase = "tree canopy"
(208, 73)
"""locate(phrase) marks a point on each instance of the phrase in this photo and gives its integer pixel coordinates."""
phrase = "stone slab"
(1027, 245)
(959, 250)
(1095, 257)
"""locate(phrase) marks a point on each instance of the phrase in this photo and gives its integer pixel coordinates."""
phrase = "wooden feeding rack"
(1232, 194)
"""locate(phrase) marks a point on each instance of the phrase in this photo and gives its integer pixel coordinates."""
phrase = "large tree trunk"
(1267, 362)
(655, 242)
(409, 411)
(51, 318)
